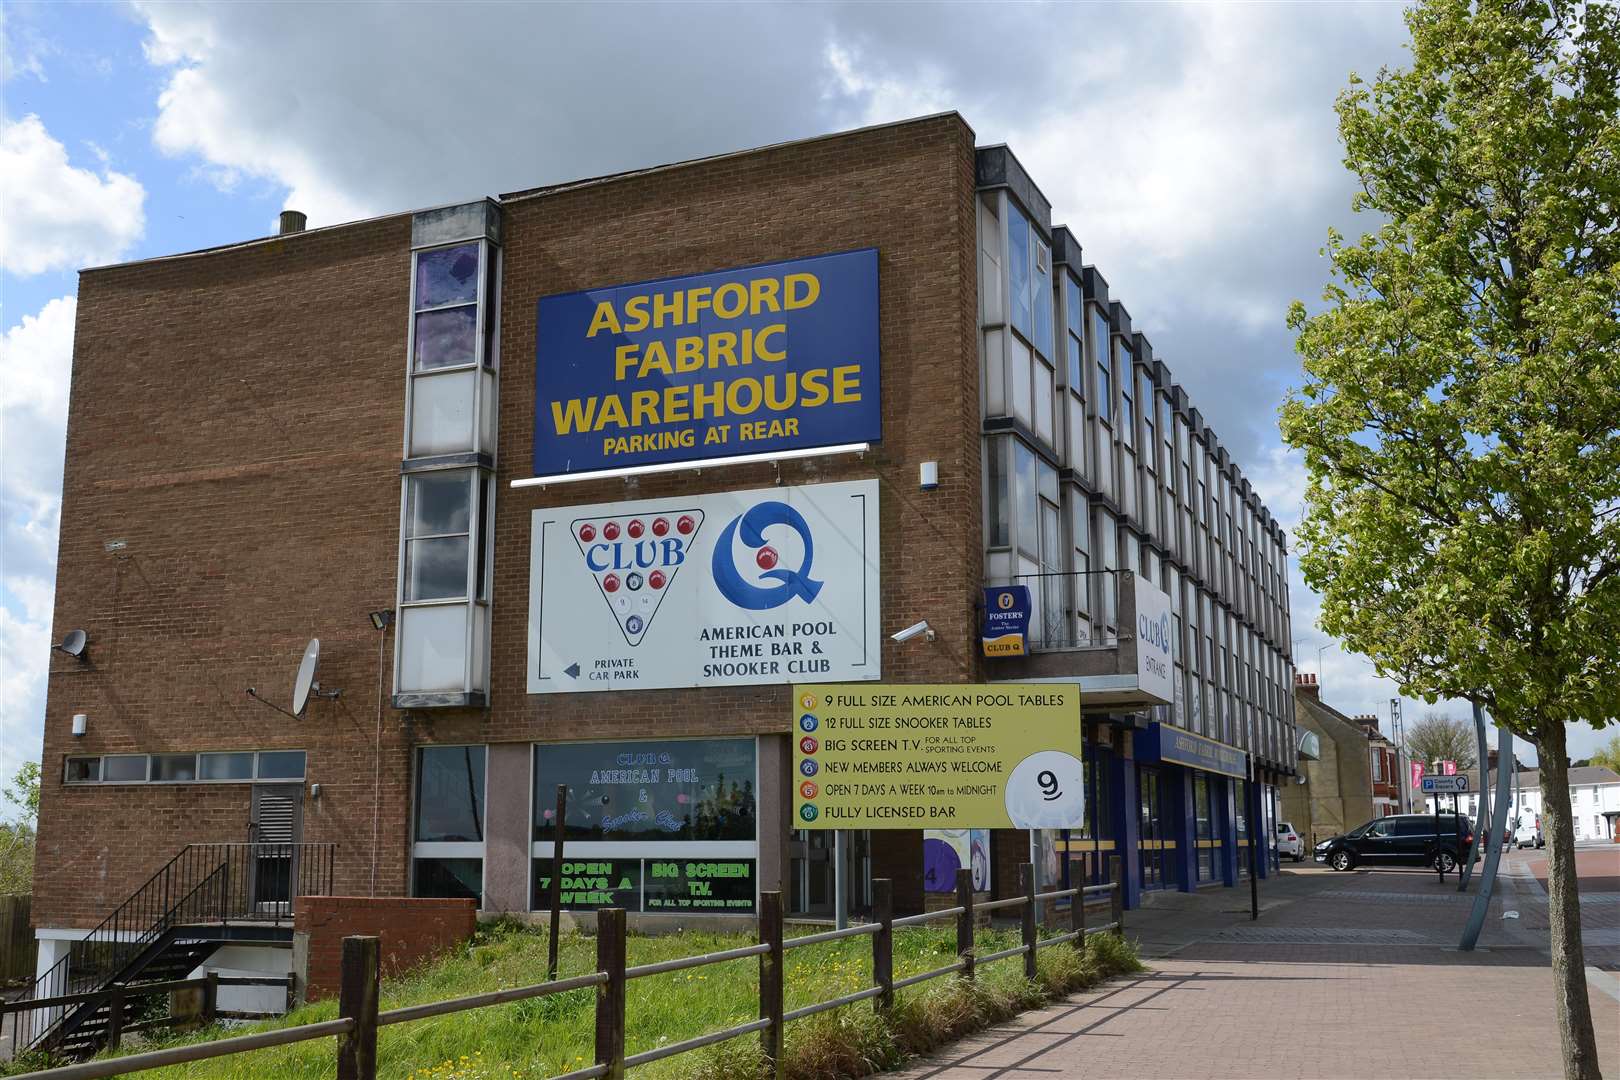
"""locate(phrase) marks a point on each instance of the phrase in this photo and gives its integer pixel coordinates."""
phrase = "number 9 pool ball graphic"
(1047, 791)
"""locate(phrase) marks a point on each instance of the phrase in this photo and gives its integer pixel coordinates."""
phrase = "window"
(231, 766)
(1020, 296)
(1043, 296)
(998, 491)
(1378, 766)
(1127, 408)
(438, 527)
(660, 825)
(448, 822)
(1076, 333)
(1104, 405)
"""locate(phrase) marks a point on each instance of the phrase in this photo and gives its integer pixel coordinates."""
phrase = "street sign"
(1445, 785)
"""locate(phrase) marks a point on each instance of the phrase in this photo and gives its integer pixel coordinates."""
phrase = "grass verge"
(546, 1036)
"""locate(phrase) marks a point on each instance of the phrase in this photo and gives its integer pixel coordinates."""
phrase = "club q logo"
(751, 526)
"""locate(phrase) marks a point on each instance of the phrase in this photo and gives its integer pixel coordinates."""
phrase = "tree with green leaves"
(1438, 737)
(17, 836)
(1608, 755)
(1460, 414)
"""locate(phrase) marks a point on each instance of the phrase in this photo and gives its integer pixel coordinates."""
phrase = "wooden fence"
(18, 948)
(359, 1020)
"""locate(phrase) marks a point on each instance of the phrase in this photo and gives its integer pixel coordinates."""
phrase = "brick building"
(332, 434)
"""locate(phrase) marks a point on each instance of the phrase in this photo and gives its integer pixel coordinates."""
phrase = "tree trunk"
(1564, 909)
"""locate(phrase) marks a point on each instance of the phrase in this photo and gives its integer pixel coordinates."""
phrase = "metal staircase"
(207, 896)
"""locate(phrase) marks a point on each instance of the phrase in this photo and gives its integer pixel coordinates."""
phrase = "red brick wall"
(237, 418)
(410, 931)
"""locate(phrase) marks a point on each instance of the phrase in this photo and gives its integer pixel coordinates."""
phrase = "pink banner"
(1448, 768)
(1417, 774)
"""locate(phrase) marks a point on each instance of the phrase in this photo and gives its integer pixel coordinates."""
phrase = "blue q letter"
(752, 524)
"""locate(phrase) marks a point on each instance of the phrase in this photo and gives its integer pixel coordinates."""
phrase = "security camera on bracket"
(915, 630)
(304, 685)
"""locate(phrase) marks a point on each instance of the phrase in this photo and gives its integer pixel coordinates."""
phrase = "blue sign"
(1161, 742)
(1006, 620)
(767, 358)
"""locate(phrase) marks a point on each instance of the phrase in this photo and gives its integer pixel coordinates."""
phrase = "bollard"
(357, 1000)
(772, 982)
(1026, 885)
(210, 1001)
(1116, 873)
(964, 920)
(610, 995)
(115, 1016)
(883, 943)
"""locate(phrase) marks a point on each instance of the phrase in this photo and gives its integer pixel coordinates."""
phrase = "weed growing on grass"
(543, 1037)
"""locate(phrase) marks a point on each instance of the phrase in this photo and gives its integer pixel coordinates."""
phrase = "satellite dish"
(73, 644)
(306, 676)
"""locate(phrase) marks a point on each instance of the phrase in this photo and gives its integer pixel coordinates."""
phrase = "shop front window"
(665, 826)
(449, 822)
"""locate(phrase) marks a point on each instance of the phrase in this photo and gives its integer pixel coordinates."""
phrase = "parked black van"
(1401, 840)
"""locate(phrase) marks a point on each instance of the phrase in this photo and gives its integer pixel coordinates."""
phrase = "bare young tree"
(1439, 737)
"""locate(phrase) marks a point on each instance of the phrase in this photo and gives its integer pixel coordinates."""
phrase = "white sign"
(777, 585)
(1445, 785)
(1155, 666)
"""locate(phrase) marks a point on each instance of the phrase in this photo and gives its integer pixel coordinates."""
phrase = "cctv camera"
(922, 630)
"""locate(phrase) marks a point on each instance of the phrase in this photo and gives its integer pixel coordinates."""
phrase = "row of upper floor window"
(1062, 365)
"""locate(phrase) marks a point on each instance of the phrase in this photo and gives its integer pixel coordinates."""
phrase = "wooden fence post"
(772, 982)
(1026, 885)
(610, 995)
(1116, 874)
(210, 1001)
(559, 831)
(292, 990)
(115, 1016)
(964, 921)
(883, 943)
(357, 1000)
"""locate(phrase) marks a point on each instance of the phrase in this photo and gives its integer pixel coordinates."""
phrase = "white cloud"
(35, 362)
(54, 215)
(22, 50)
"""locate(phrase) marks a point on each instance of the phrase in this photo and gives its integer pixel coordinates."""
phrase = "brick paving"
(1343, 976)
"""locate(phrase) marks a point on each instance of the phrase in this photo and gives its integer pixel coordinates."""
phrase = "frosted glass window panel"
(447, 276)
(436, 569)
(228, 766)
(1019, 378)
(1043, 402)
(446, 338)
(438, 503)
(442, 413)
(1077, 435)
(488, 404)
(995, 373)
(1025, 501)
(433, 648)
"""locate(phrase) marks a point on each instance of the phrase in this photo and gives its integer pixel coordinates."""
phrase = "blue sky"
(1192, 150)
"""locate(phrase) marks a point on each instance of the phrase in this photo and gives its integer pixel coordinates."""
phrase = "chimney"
(1305, 684)
(292, 221)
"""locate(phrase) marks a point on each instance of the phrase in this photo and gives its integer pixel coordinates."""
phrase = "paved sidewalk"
(1344, 975)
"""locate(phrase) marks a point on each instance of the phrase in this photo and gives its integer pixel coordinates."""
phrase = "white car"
(1289, 842)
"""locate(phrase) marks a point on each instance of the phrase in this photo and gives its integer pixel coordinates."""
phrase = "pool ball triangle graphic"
(634, 559)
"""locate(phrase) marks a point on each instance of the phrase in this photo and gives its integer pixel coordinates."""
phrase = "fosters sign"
(744, 587)
(772, 357)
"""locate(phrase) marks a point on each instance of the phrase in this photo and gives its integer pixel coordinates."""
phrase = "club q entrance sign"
(953, 756)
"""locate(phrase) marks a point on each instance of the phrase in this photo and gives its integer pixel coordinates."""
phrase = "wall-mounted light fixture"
(928, 475)
(382, 620)
(74, 644)
(80, 723)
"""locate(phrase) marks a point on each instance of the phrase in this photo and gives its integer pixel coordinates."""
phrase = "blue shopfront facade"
(1177, 808)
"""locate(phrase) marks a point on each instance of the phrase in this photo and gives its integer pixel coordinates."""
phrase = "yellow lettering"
(735, 305)
(764, 351)
(655, 359)
(734, 393)
(676, 405)
(846, 383)
(612, 412)
(803, 297)
(635, 314)
(613, 444)
(762, 295)
(696, 300)
(643, 407)
(813, 387)
(624, 358)
(688, 353)
(723, 346)
(784, 401)
(666, 306)
(708, 401)
(572, 415)
(604, 319)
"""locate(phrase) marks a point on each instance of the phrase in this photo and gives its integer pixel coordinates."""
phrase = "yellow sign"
(951, 756)
(1011, 645)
